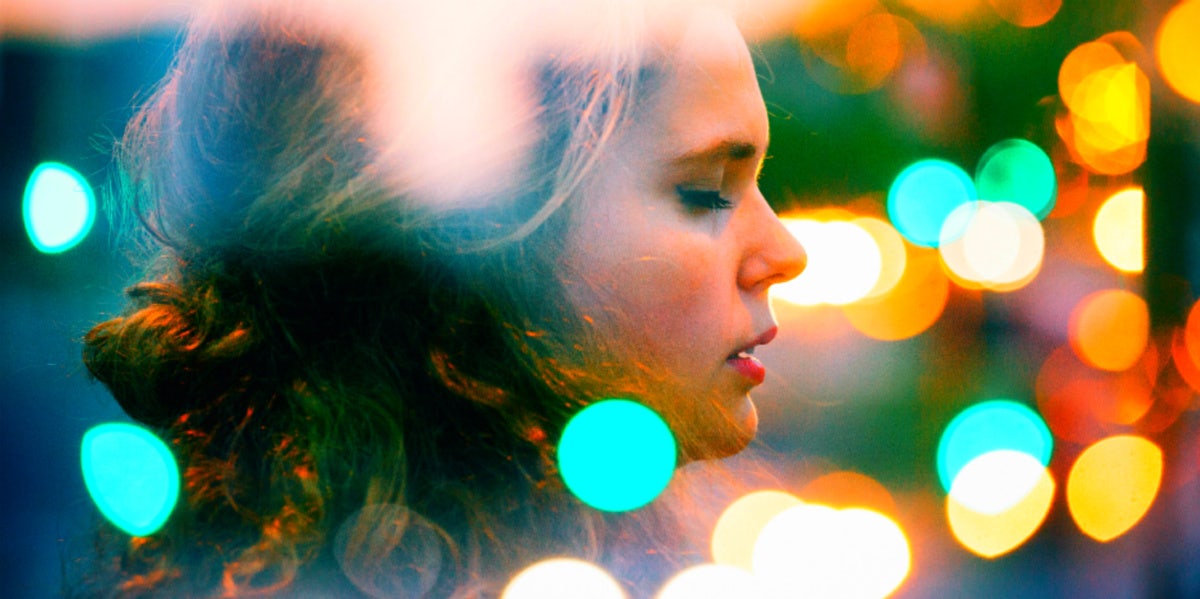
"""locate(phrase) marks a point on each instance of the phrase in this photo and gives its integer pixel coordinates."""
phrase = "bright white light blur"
(998, 501)
(1118, 230)
(563, 578)
(996, 480)
(844, 263)
(892, 253)
(816, 551)
(1000, 247)
(991, 244)
(791, 552)
(737, 529)
(711, 581)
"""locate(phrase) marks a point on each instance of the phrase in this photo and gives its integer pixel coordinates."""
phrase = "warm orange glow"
(1107, 99)
(738, 528)
(1080, 138)
(873, 49)
(1084, 61)
(1072, 185)
(857, 44)
(1192, 333)
(1174, 394)
(1108, 95)
(1130, 394)
(1027, 13)
(1181, 355)
(952, 12)
(1022, 491)
(1177, 49)
(844, 489)
(1109, 329)
(1112, 485)
(910, 308)
(1082, 404)
(1119, 230)
(825, 18)
(1113, 121)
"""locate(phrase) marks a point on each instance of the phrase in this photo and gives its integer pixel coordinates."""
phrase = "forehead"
(708, 92)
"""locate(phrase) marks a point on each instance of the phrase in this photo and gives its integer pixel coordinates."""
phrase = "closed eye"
(702, 199)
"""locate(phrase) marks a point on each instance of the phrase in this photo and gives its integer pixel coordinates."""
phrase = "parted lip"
(762, 339)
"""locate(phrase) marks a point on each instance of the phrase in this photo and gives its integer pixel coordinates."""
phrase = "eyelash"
(703, 199)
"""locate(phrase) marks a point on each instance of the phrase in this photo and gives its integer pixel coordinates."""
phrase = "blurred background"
(996, 344)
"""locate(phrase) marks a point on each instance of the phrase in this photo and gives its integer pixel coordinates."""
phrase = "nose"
(773, 255)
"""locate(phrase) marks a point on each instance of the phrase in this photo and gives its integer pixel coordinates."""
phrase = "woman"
(367, 323)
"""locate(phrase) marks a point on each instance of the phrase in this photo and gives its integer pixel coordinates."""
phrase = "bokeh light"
(992, 245)
(923, 195)
(929, 94)
(825, 18)
(563, 578)
(990, 426)
(616, 455)
(816, 551)
(1018, 171)
(911, 307)
(855, 46)
(413, 559)
(1177, 49)
(1108, 97)
(999, 500)
(1026, 13)
(1185, 363)
(843, 488)
(950, 12)
(1186, 348)
(1073, 185)
(1118, 230)
(1082, 62)
(131, 476)
(1112, 485)
(893, 256)
(1083, 404)
(711, 581)
(738, 527)
(997, 480)
(59, 208)
(874, 49)
(843, 266)
(1109, 329)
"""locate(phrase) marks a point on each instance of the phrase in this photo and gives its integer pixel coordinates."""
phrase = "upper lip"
(764, 338)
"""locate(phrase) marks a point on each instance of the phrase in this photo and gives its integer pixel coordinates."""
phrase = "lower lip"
(750, 368)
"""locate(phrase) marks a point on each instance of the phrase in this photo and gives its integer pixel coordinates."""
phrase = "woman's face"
(673, 247)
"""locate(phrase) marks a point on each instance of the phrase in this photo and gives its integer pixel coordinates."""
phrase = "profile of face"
(673, 247)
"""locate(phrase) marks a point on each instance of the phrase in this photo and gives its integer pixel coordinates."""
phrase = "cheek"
(664, 298)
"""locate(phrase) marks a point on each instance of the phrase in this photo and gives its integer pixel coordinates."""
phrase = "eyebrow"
(731, 149)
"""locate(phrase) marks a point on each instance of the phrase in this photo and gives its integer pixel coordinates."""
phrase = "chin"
(731, 432)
